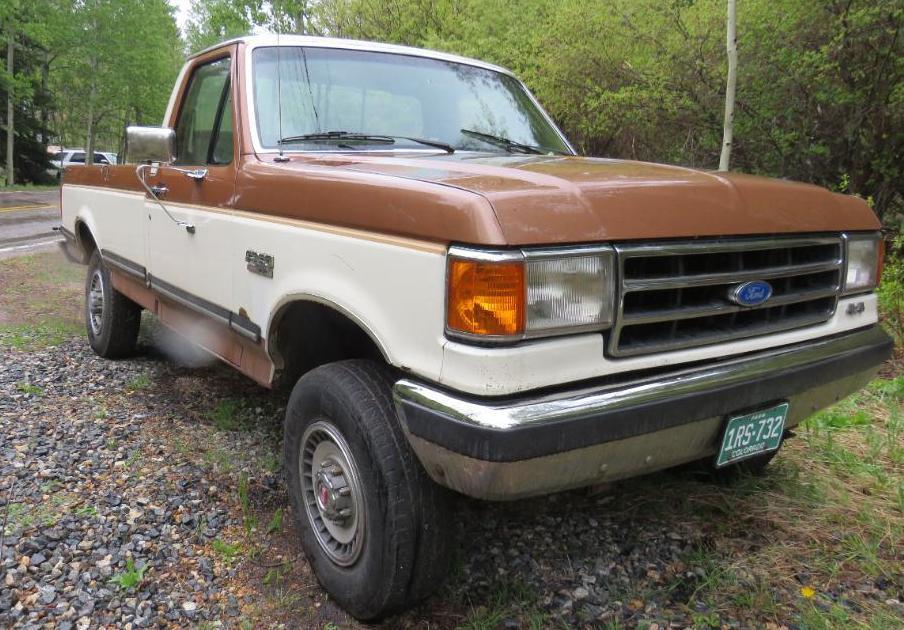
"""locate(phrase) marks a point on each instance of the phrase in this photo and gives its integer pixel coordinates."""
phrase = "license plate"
(752, 434)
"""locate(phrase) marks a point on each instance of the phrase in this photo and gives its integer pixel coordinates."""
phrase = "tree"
(732, 46)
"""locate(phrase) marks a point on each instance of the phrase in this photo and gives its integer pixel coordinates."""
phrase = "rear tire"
(111, 319)
(374, 527)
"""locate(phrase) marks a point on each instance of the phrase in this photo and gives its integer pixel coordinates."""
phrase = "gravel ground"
(148, 492)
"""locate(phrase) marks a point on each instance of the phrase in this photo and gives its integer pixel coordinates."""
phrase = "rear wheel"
(111, 319)
(373, 525)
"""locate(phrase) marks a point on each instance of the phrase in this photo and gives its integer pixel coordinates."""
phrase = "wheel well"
(85, 240)
(306, 334)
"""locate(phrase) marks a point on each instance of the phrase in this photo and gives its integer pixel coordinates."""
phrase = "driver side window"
(204, 127)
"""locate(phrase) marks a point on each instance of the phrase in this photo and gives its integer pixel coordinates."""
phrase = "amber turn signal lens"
(486, 298)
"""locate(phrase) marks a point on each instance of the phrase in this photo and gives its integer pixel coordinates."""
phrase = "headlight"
(864, 262)
(512, 295)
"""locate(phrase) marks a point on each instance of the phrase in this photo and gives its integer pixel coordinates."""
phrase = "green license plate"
(752, 434)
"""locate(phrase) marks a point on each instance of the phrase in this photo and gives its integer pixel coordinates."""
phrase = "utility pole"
(728, 129)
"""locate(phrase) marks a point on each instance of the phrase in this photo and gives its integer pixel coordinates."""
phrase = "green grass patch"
(29, 187)
(31, 390)
(231, 415)
(142, 381)
(228, 552)
(46, 333)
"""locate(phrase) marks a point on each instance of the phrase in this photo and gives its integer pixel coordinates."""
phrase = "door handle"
(159, 190)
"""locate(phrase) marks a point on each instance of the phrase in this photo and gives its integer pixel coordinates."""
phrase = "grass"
(29, 187)
(46, 333)
(137, 383)
(130, 577)
(512, 600)
(31, 390)
(42, 303)
(231, 415)
(275, 524)
(228, 552)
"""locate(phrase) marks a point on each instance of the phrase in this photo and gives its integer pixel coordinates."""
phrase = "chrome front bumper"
(511, 448)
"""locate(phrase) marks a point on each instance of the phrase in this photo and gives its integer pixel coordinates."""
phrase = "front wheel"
(111, 319)
(373, 525)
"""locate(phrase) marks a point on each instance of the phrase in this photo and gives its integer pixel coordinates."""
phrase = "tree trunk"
(89, 144)
(728, 131)
(45, 71)
(10, 123)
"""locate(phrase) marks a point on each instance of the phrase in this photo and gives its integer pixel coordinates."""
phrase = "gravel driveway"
(149, 492)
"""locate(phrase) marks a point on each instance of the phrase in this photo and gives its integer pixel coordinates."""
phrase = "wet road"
(27, 219)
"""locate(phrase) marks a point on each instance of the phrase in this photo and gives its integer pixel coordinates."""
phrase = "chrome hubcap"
(95, 302)
(332, 492)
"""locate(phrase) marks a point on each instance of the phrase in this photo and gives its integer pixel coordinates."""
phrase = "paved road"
(27, 219)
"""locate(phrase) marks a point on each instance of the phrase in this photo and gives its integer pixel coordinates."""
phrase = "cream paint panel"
(504, 371)
(394, 291)
(198, 263)
(115, 218)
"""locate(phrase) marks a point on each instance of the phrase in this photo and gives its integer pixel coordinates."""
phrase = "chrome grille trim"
(696, 310)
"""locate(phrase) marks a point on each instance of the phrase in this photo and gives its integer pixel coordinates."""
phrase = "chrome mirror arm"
(139, 172)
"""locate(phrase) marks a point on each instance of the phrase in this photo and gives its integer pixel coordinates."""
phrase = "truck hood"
(557, 199)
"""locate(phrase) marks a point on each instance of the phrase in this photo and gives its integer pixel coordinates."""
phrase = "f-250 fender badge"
(751, 293)
(261, 264)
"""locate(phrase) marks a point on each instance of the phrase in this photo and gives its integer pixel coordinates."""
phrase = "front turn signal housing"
(486, 298)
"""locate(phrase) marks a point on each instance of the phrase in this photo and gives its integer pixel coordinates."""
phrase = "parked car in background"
(62, 159)
(462, 302)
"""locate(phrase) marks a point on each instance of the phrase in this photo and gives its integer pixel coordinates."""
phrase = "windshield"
(328, 90)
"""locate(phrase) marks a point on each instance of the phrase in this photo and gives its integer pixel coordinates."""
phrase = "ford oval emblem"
(751, 293)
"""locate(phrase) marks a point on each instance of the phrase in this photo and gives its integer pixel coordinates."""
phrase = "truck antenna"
(280, 157)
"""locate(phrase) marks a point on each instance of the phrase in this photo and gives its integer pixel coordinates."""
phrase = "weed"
(142, 381)
(31, 390)
(129, 578)
(271, 462)
(112, 444)
(220, 458)
(275, 523)
(249, 520)
(101, 413)
(228, 551)
(230, 415)
(133, 459)
(85, 511)
(274, 576)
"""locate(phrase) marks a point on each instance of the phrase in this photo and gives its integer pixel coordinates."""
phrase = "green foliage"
(131, 577)
(891, 290)
(83, 69)
(820, 97)
(31, 390)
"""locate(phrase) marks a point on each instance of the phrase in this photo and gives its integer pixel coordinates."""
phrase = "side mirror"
(150, 144)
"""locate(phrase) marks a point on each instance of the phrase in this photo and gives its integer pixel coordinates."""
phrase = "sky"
(182, 12)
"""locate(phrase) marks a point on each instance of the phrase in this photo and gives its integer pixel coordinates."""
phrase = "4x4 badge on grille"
(751, 293)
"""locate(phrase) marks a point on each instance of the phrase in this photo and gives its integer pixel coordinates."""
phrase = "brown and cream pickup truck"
(458, 300)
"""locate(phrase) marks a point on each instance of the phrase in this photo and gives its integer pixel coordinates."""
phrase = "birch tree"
(728, 128)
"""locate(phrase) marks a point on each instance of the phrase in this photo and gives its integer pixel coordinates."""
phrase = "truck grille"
(676, 295)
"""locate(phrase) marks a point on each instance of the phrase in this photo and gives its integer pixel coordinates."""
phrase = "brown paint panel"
(249, 358)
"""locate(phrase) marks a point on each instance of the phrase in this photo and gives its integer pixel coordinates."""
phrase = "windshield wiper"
(340, 137)
(509, 145)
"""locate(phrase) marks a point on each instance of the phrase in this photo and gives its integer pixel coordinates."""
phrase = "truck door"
(190, 264)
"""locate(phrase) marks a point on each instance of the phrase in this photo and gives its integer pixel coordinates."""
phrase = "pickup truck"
(460, 303)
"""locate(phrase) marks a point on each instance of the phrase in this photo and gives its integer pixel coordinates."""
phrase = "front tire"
(374, 527)
(111, 319)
